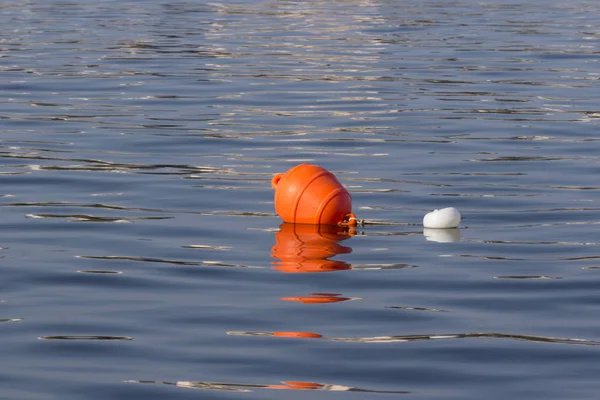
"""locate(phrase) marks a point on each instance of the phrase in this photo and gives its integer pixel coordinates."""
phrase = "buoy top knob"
(276, 180)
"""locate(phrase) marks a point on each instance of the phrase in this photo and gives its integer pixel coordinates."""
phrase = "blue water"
(140, 253)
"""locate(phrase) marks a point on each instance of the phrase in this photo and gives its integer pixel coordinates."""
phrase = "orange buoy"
(309, 194)
(307, 248)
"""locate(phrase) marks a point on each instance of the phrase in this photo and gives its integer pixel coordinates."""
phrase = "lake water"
(140, 254)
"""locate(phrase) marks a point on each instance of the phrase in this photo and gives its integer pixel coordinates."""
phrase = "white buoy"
(442, 219)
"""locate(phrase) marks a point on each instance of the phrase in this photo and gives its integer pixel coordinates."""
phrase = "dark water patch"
(100, 272)
(417, 309)
(84, 337)
(91, 218)
(205, 263)
(540, 339)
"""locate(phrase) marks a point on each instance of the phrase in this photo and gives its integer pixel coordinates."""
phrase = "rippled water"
(140, 253)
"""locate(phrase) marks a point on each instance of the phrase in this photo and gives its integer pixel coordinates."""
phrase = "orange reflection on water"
(307, 248)
(320, 298)
(295, 334)
(307, 335)
(297, 386)
(250, 387)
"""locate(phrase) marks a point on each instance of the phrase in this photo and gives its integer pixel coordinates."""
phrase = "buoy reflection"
(307, 248)
(285, 385)
(442, 235)
(320, 298)
(425, 337)
(304, 335)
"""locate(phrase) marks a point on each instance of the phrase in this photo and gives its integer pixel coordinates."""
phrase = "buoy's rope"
(388, 223)
(351, 220)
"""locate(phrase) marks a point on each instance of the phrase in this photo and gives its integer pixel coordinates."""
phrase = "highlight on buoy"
(309, 194)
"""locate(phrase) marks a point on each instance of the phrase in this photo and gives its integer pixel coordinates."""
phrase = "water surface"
(140, 253)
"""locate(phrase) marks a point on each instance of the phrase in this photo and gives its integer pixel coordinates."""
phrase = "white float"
(445, 218)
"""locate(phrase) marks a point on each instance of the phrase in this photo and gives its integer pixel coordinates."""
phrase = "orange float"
(309, 194)
(307, 248)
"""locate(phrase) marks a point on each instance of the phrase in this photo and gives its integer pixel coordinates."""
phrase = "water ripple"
(413, 338)
(84, 337)
(417, 309)
(205, 263)
(92, 218)
(284, 385)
